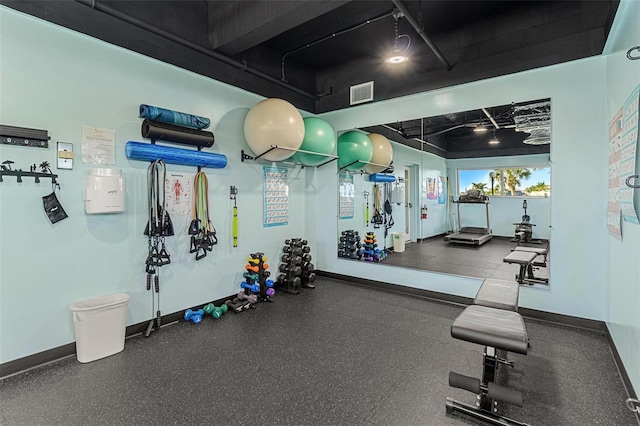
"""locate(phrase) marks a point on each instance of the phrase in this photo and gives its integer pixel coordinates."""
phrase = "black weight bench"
(497, 329)
(499, 294)
(524, 259)
(541, 252)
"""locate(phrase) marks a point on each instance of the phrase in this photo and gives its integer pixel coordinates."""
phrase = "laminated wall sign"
(276, 196)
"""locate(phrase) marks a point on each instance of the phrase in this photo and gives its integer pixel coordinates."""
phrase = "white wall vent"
(361, 93)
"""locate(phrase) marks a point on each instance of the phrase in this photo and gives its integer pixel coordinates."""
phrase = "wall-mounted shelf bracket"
(244, 156)
(368, 163)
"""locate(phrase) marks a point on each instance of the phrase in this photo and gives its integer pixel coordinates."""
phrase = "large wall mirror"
(468, 193)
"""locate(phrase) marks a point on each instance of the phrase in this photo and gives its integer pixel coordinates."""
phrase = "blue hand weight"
(194, 316)
(269, 283)
(253, 287)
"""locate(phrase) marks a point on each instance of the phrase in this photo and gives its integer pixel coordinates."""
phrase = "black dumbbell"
(340, 253)
(286, 249)
(305, 242)
(287, 241)
(283, 267)
(296, 281)
(306, 249)
(281, 278)
(306, 257)
(311, 277)
(296, 270)
(308, 267)
(233, 307)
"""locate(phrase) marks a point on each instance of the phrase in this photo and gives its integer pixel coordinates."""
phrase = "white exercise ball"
(274, 122)
(382, 153)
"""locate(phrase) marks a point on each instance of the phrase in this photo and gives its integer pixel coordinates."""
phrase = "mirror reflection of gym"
(499, 154)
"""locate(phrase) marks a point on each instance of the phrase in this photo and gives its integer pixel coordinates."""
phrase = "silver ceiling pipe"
(490, 118)
(325, 38)
(420, 31)
(186, 43)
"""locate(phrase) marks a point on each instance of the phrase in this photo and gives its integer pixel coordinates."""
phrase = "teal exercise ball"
(319, 137)
(354, 146)
(274, 122)
(382, 153)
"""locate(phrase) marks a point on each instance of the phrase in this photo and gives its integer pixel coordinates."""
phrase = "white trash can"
(100, 325)
(398, 241)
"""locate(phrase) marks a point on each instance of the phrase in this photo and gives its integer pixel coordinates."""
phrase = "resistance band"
(366, 208)
(378, 218)
(203, 234)
(158, 227)
(234, 230)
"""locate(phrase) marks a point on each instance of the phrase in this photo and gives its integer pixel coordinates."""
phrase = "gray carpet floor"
(483, 261)
(341, 354)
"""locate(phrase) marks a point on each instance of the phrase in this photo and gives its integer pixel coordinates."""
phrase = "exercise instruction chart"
(628, 152)
(276, 196)
(613, 204)
(347, 196)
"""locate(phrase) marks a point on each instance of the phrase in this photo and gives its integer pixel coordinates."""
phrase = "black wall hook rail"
(629, 179)
(20, 174)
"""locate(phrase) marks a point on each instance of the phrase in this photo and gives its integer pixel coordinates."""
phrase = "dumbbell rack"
(290, 277)
(257, 274)
(350, 246)
(371, 252)
(308, 276)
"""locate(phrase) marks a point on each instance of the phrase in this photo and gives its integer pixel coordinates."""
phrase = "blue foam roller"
(187, 157)
(173, 117)
(379, 177)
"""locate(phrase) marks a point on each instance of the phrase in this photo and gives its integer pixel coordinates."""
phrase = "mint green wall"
(55, 79)
(577, 92)
(623, 278)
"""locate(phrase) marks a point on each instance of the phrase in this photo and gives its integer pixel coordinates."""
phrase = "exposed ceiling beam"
(416, 26)
(240, 25)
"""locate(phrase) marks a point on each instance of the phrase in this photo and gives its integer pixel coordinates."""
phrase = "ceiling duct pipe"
(330, 36)
(490, 118)
(420, 31)
(186, 43)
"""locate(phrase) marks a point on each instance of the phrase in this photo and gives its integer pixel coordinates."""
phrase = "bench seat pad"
(520, 257)
(491, 327)
(531, 249)
(499, 294)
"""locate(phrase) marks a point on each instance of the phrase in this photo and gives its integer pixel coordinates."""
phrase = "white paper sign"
(98, 145)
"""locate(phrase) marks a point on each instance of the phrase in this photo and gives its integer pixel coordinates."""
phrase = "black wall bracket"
(20, 136)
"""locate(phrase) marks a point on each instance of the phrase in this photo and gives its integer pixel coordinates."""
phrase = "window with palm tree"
(507, 182)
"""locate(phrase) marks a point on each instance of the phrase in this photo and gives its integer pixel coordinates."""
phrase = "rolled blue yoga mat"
(187, 157)
(378, 177)
(173, 117)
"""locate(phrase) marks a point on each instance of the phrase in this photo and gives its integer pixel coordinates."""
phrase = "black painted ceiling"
(245, 43)
(516, 129)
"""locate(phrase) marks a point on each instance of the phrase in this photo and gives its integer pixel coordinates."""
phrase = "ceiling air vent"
(361, 93)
